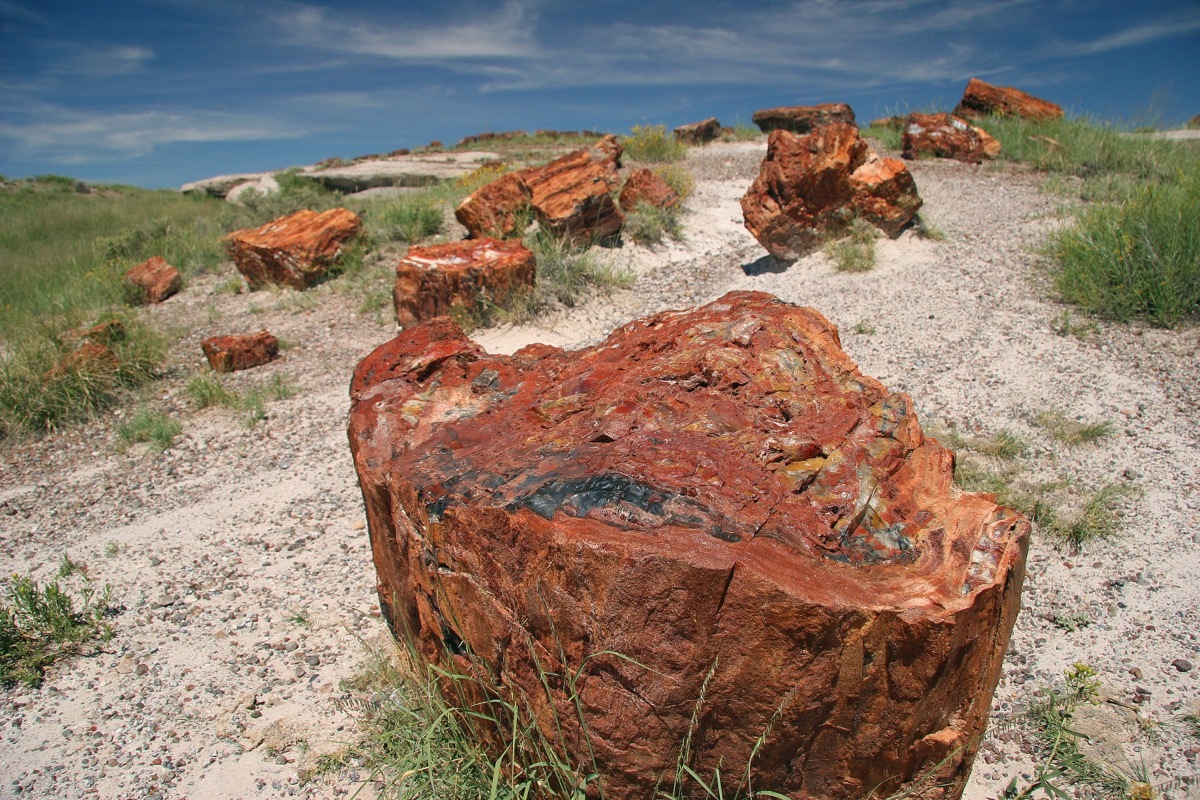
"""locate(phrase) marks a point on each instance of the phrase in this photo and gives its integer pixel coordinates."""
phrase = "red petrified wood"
(715, 526)
(980, 99)
(802, 119)
(647, 186)
(231, 353)
(702, 132)
(810, 185)
(500, 209)
(154, 279)
(436, 279)
(294, 250)
(946, 136)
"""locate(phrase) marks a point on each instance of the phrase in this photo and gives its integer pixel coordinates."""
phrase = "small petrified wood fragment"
(647, 186)
(295, 250)
(434, 280)
(240, 351)
(714, 522)
(154, 280)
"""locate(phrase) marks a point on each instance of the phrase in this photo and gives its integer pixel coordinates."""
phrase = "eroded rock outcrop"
(154, 280)
(809, 186)
(981, 99)
(240, 351)
(710, 504)
(462, 275)
(295, 250)
(946, 136)
(802, 119)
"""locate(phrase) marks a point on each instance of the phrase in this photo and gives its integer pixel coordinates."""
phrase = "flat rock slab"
(295, 250)
(465, 275)
(240, 351)
(220, 185)
(716, 524)
(424, 169)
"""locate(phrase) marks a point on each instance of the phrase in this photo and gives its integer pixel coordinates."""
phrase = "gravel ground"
(241, 565)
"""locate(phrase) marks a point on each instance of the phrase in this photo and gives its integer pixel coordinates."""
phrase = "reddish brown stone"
(711, 505)
(981, 99)
(701, 132)
(810, 185)
(500, 209)
(434, 280)
(571, 195)
(802, 119)
(294, 250)
(946, 136)
(231, 353)
(154, 279)
(647, 186)
(87, 358)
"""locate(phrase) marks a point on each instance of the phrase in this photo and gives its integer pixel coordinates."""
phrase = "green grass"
(406, 219)
(41, 623)
(648, 224)
(741, 132)
(566, 272)
(153, 427)
(855, 250)
(1073, 432)
(653, 144)
(207, 390)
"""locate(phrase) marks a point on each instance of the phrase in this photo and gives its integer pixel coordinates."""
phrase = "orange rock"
(716, 525)
(981, 99)
(295, 250)
(154, 279)
(647, 186)
(802, 119)
(946, 136)
(500, 209)
(572, 195)
(231, 353)
(434, 280)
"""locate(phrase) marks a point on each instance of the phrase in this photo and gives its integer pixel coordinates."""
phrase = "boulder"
(701, 132)
(154, 280)
(220, 185)
(463, 275)
(572, 195)
(647, 186)
(809, 186)
(708, 535)
(981, 99)
(240, 351)
(946, 136)
(499, 209)
(802, 119)
(294, 250)
(262, 187)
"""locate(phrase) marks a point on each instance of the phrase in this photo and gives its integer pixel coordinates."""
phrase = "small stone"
(1182, 664)
(142, 669)
(1136, 673)
(1131, 474)
(312, 660)
(281, 759)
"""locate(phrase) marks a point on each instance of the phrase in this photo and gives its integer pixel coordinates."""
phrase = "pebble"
(1182, 664)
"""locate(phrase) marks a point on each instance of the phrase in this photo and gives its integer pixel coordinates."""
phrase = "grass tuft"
(653, 144)
(1073, 432)
(649, 224)
(406, 219)
(153, 427)
(855, 251)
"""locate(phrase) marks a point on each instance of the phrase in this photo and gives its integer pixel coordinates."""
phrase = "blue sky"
(159, 92)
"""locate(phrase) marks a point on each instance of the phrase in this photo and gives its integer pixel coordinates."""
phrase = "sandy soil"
(241, 563)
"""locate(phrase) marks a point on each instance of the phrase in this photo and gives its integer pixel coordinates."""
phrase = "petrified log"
(499, 209)
(572, 195)
(240, 351)
(946, 136)
(809, 186)
(154, 280)
(647, 186)
(802, 119)
(981, 99)
(294, 250)
(436, 279)
(702, 132)
(712, 523)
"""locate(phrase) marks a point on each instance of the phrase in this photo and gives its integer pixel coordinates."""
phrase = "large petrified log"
(981, 98)
(802, 119)
(711, 522)
(809, 186)
(437, 279)
(295, 250)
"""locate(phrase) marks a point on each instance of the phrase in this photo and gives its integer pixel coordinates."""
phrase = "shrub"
(653, 143)
(678, 178)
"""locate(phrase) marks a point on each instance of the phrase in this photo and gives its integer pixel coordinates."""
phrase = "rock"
(425, 169)
(1182, 665)
(294, 250)
(263, 187)
(811, 185)
(701, 132)
(946, 136)
(981, 99)
(802, 119)
(571, 196)
(154, 280)
(715, 524)
(462, 275)
(500, 209)
(647, 186)
(231, 353)
(220, 185)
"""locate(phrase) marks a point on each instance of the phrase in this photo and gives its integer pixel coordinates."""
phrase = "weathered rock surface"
(436, 279)
(981, 99)
(500, 209)
(220, 185)
(710, 504)
(647, 186)
(802, 119)
(154, 279)
(423, 169)
(240, 351)
(702, 132)
(262, 187)
(814, 184)
(946, 136)
(572, 195)
(294, 250)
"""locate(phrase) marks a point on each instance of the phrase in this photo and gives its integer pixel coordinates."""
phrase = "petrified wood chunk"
(702, 132)
(716, 524)
(240, 351)
(946, 136)
(499, 209)
(811, 185)
(435, 279)
(802, 119)
(294, 250)
(980, 99)
(647, 186)
(572, 195)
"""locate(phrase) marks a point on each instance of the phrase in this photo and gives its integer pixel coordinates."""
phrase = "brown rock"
(715, 525)
(701, 132)
(154, 279)
(500, 209)
(231, 353)
(946, 136)
(294, 250)
(647, 186)
(811, 185)
(434, 280)
(571, 196)
(802, 119)
(981, 99)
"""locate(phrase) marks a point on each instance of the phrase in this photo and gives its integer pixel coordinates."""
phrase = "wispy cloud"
(16, 12)
(1168, 27)
(107, 61)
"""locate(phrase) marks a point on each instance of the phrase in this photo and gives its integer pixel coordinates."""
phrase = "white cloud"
(15, 11)
(1165, 28)
(98, 62)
